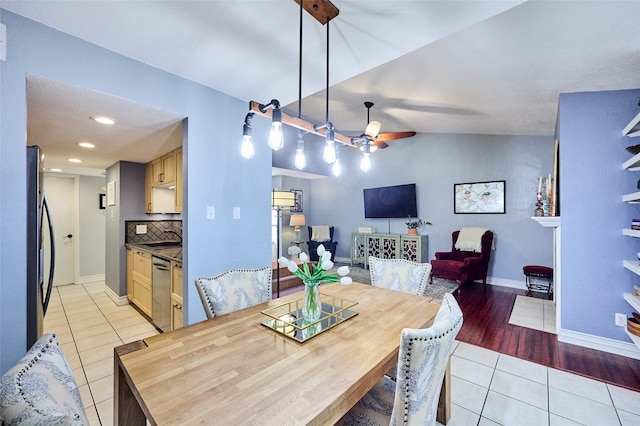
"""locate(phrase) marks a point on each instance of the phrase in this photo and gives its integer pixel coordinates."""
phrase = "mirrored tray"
(287, 318)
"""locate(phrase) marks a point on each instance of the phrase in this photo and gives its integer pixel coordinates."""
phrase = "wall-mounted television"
(397, 201)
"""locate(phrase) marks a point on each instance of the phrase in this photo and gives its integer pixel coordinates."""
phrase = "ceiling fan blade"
(372, 129)
(390, 136)
(380, 144)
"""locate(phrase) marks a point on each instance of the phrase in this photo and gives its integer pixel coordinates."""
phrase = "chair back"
(422, 362)
(234, 290)
(40, 388)
(486, 242)
(399, 274)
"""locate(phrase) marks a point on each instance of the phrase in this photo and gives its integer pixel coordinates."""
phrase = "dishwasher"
(161, 293)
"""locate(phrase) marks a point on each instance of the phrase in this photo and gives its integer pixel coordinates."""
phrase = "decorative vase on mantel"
(311, 304)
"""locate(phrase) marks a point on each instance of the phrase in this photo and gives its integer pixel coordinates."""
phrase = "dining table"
(234, 370)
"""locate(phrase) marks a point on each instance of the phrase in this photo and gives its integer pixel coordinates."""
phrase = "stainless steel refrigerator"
(39, 229)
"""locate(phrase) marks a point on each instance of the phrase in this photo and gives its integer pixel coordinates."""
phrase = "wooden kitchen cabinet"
(129, 274)
(164, 169)
(178, 191)
(141, 281)
(148, 188)
(177, 314)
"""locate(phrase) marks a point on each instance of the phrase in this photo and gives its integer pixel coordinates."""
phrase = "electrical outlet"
(621, 320)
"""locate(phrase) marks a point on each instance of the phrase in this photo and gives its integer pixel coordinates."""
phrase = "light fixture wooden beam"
(323, 10)
(299, 123)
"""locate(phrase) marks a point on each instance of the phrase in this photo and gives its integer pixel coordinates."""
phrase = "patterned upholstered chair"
(400, 275)
(40, 388)
(422, 362)
(234, 290)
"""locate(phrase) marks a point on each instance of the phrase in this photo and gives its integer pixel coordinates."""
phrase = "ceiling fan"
(374, 137)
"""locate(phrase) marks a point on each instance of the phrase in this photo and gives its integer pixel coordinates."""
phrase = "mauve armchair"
(463, 266)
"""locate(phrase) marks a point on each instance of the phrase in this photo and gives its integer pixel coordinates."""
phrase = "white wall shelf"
(631, 232)
(632, 198)
(632, 163)
(633, 128)
(633, 266)
(633, 301)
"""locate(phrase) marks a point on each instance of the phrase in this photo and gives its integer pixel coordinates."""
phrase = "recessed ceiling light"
(86, 144)
(74, 160)
(55, 170)
(103, 120)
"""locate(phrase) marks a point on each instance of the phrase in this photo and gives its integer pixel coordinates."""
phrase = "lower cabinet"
(388, 246)
(141, 281)
(177, 314)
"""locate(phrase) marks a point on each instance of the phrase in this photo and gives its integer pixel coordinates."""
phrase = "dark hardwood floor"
(486, 317)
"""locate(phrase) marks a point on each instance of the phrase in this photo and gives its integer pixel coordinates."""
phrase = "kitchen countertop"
(168, 252)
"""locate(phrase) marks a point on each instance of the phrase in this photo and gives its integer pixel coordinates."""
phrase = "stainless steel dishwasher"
(161, 293)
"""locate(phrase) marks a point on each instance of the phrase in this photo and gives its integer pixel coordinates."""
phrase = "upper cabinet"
(164, 169)
(163, 183)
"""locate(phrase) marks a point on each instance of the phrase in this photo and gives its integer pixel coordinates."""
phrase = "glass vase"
(311, 304)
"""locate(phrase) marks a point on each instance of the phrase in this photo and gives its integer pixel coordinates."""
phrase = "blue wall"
(435, 162)
(592, 180)
(215, 173)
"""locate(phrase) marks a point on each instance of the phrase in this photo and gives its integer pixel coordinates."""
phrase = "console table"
(388, 246)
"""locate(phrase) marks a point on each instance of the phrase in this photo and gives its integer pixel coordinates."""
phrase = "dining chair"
(399, 274)
(40, 388)
(234, 290)
(422, 362)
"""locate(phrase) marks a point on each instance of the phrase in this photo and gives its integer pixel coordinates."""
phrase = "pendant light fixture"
(323, 11)
(246, 149)
(336, 169)
(329, 154)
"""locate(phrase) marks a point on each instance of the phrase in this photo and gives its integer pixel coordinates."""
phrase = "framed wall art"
(479, 197)
(111, 193)
(102, 201)
(297, 208)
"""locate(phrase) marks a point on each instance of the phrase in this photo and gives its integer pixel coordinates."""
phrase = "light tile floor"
(487, 388)
(89, 325)
(531, 312)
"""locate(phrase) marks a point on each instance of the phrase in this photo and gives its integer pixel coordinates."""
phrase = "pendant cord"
(327, 92)
(300, 66)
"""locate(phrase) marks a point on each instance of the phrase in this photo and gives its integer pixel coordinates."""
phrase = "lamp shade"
(282, 199)
(296, 220)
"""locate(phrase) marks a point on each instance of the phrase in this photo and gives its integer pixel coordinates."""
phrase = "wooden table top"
(233, 370)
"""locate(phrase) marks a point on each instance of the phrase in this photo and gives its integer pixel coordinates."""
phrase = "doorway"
(61, 194)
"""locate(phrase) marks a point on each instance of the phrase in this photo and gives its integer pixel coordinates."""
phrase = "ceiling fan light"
(365, 163)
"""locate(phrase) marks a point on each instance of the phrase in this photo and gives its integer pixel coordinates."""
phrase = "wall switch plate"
(141, 229)
(211, 212)
(621, 320)
(236, 212)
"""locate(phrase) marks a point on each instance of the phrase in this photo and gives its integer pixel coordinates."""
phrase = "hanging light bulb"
(329, 154)
(276, 139)
(337, 167)
(365, 163)
(246, 148)
(300, 161)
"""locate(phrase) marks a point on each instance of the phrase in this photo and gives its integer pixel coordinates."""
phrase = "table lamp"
(296, 220)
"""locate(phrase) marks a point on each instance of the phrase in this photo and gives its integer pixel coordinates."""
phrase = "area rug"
(436, 290)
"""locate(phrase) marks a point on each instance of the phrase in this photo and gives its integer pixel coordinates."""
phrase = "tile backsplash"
(155, 231)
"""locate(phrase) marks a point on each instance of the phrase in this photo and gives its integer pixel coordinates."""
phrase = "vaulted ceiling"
(483, 67)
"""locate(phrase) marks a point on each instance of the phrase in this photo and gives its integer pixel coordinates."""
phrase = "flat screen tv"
(397, 201)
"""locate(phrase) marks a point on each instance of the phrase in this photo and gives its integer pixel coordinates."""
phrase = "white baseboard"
(118, 300)
(503, 282)
(599, 343)
(91, 279)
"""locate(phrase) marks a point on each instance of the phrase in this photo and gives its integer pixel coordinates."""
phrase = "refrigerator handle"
(45, 298)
